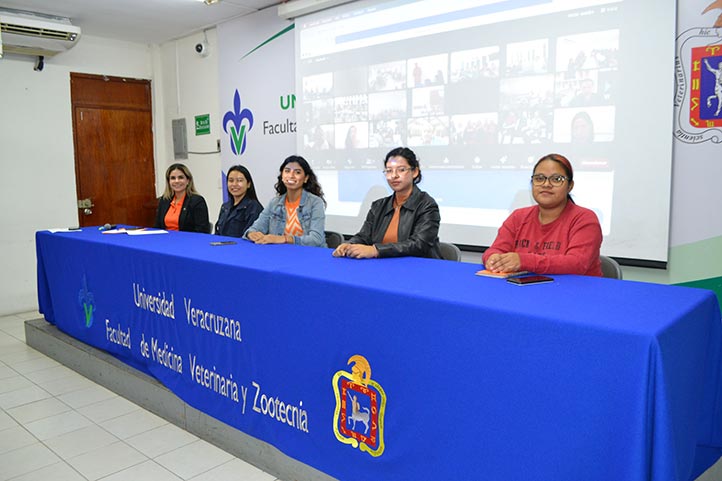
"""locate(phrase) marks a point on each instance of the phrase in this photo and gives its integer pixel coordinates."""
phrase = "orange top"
(173, 214)
(392, 231)
(293, 225)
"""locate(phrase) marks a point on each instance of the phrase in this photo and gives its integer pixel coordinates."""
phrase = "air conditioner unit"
(33, 34)
(296, 8)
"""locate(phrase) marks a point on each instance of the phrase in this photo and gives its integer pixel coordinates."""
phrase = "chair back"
(333, 239)
(610, 268)
(450, 252)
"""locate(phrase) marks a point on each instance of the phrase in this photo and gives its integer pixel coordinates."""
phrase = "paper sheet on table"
(63, 229)
(146, 231)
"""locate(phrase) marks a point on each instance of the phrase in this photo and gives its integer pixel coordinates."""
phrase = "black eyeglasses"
(556, 180)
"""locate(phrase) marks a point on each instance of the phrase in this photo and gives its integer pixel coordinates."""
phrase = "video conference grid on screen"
(478, 90)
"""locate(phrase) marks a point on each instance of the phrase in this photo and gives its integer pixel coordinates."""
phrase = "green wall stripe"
(271, 39)
(714, 284)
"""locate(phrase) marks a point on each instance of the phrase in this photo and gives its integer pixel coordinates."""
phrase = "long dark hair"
(251, 191)
(410, 157)
(566, 165)
(311, 185)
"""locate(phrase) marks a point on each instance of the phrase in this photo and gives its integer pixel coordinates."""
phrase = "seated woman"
(556, 236)
(296, 215)
(242, 207)
(403, 224)
(181, 207)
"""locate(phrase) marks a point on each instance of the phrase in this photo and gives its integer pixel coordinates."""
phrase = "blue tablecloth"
(456, 376)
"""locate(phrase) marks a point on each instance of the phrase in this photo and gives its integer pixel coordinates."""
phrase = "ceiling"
(141, 21)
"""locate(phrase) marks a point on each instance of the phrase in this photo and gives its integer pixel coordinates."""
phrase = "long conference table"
(404, 369)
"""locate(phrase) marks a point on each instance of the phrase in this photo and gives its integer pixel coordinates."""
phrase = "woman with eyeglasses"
(296, 215)
(555, 236)
(404, 224)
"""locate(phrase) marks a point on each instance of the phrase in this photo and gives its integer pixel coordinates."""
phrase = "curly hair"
(311, 185)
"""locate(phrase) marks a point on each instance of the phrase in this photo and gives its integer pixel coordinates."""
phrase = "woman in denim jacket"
(296, 215)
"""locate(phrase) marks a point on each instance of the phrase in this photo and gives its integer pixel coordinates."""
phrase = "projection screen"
(480, 90)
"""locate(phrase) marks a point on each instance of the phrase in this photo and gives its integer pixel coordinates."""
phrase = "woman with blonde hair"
(181, 207)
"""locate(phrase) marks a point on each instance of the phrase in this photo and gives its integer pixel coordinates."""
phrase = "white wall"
(186, 85)
(37, 190)
(36, 140)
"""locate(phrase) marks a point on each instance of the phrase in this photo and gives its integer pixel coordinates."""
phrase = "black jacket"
(233, 220)
(193, 216)
(418, 227)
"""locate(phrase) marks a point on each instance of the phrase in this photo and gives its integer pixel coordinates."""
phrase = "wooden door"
(113, 136)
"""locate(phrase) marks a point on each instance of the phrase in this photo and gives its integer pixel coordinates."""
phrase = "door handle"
(85, 205)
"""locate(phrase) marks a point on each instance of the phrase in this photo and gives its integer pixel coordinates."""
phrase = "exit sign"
(203, 124)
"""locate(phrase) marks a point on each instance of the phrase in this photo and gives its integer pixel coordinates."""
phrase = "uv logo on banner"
(699, 100)
(238, 128)
(360, 405)
(87, 302)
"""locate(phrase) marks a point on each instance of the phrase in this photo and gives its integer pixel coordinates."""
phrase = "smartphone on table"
(523, 281)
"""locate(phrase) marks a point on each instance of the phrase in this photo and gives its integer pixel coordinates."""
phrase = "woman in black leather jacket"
(403, 224)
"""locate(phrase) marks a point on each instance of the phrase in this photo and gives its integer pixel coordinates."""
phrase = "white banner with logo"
(257, 101)
(697, 170)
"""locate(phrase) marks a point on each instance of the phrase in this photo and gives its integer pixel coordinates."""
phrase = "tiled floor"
(57, 425)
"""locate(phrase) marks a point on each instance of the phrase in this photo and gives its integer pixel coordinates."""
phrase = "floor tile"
(108, 409)
(50, 374)
(80, 441)
(13, 354)
(235, 470)
(22, 396)
(6, 372)
(71, 382)
(86, 396)
(6, 340)
(193, 459)
(161, 440)
(18, 332)
(44, 408)
(14, 383)
(30, 315)
(35, 365)
(25, 460)
(55, 472)
(6, 421)
(106, 460)
(133, 423)
(147, 471)
(10, 320)
(57, 425)
(14, 438)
